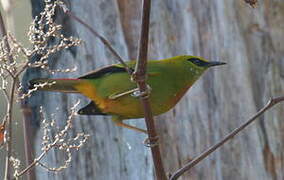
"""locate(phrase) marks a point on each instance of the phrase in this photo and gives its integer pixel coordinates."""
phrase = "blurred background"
(17, 20)
(250, 40)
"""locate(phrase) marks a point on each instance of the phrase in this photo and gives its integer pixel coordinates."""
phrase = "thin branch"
(96, 34)
(3, 35)
(7, 121)
(2, 27)
(10, 100)
(191, 164)
(37, 160)
(61, 141)
(9, 134)
(6, 94)
(28, 131)
(140, 76)
(39, 35)
(32, 164)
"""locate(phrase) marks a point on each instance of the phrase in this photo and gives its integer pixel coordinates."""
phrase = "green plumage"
(113, 93)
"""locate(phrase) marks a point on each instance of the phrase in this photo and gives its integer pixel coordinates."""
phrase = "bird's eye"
(198, 62)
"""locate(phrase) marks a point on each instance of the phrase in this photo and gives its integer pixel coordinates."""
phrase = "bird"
(113, 93)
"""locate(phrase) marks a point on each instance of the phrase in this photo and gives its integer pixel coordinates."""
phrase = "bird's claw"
(133, 92)
(143, 94)
(151, 141)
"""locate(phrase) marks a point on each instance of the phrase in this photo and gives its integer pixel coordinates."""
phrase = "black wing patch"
(103, 71)
(91, 109)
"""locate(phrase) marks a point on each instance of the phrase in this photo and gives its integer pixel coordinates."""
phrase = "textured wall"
(250, 40)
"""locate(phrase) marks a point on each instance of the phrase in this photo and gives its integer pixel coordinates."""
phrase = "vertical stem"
(28, 134)
(2, 26)
(9, 132)
(8, 118)
(140, 76)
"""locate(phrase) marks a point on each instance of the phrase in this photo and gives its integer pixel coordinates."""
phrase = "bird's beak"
(215, 63)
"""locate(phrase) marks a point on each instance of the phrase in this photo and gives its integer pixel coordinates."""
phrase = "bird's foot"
(119, 122)
(133, 92)
(115, 96)
(143, 94)
(151, 141)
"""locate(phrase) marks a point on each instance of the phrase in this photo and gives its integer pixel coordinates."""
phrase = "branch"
(10, 98)
(59, 140)
(191, 164)
(96, 34)
(139, 76)
(2, 27)
(37, 160)
(9, 134)
(41, 30)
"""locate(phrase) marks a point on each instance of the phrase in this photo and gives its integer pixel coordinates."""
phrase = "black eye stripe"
(198, 62)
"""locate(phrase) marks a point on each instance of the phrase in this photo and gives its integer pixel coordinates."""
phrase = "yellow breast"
(89, 90)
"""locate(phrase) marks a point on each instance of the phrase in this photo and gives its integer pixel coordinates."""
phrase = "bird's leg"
(134, 92)
(130, 127)
(119, 122)
(144, 94)
(151, 143)
(115, 96)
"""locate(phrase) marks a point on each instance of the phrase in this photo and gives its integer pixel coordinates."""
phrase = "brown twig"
(101, 38)
(140, 76)
(10, 97)
(2, 27)
(28, 132)
(30, 166)
(191, 164)
(60, 140)
(9, 134)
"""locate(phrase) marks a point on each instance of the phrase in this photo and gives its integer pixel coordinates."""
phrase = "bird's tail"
(58, 85)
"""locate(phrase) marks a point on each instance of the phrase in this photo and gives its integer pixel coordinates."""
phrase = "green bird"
(112, 92)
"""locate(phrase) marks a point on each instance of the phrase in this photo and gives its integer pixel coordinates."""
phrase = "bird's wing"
(103, 71)
(114, 69)
(152, 74)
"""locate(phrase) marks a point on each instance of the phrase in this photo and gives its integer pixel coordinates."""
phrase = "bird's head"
(197, 65)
